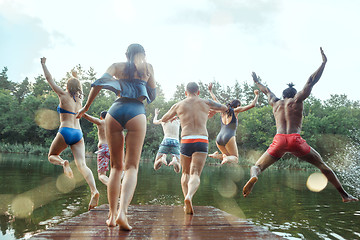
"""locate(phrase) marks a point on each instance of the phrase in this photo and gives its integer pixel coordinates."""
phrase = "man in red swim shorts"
(288, 115)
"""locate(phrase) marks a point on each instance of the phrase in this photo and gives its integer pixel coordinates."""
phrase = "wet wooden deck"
(159, 222)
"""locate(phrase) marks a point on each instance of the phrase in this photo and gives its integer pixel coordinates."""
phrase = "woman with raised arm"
(226, 139)
(70, 133)
(133, 82)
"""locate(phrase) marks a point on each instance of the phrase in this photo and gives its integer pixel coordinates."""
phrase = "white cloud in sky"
(188, 40)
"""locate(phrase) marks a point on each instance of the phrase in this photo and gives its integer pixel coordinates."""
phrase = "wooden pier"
(158, 222)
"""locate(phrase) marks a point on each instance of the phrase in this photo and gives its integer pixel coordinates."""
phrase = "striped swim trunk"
(194, 143)
(103, 157)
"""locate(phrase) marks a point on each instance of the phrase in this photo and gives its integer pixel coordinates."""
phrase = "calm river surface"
(34, 196)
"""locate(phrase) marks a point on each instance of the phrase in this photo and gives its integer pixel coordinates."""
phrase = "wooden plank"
(158, 222)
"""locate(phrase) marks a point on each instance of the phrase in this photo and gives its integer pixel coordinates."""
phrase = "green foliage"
(324, 126)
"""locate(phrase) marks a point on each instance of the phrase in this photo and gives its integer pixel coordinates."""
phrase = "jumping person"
(226, 139)
(170, 144)
(193, 114)
(70, 133)
(288, 115)
(103, 153)
(133, 83)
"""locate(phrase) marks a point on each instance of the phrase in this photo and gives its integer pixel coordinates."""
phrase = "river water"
(34, 195)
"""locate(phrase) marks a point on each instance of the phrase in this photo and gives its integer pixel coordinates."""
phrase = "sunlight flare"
(316, 182)
(47, 119)
(22, 206)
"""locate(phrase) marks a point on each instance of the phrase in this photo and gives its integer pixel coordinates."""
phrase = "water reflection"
(279, 202)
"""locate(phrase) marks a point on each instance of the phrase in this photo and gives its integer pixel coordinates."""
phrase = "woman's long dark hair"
(231, 105)
(130, 68)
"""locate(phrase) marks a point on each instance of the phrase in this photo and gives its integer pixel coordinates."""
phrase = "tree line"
(328, 126)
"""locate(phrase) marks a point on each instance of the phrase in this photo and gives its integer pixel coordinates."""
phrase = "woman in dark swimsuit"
(133, 83)
(226, 139)
(70, 133)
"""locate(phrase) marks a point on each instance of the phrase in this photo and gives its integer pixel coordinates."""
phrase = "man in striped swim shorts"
(193, 114)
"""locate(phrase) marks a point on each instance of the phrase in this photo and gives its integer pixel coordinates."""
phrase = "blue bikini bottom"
(124, 109)
(71, 135)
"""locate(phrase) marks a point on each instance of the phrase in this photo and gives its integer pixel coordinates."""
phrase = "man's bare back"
(193, 115)
(171, 129)
(288, 115)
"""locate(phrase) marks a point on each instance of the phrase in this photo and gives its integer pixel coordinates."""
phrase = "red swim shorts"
(292, 143)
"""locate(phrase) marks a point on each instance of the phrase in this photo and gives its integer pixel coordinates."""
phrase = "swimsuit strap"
(61, 110)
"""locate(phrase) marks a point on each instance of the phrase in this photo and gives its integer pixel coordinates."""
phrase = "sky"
(189, 40)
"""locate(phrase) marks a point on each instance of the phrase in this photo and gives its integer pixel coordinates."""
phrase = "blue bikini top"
(129, 88)
(61, 110)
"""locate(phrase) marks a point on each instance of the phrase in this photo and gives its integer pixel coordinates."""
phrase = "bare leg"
(185, 163)
(57, 146)
(103, 178)
(216, 155)
(264, 162)
(134, 142)
(78, 151)
(314, 158)
(232, 152)
(176, 163)
(115, 138)
(196, 167)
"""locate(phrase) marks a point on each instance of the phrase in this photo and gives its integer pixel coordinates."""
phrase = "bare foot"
(123, 222)
(94, 200)
(67, 169)
(216, 155)
(188, 206)
(350, 198)
(249, 186)
(110, 222)
(228, 159)
(158, 162)
(176, 165)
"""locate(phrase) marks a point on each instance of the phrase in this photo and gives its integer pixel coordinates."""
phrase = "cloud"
(247, 14)
(23, 39)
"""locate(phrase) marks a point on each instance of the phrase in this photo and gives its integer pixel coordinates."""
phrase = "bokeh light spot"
(316, 182)
(227, 188)
(22, 206)
(47, 119)
(65, 184)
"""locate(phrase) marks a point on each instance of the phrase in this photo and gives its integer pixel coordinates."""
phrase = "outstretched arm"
(212, 94)
(271, 96)
(92, 119)
(251, 105)
(155, 120)
(94, 91)
(170, 115)
(313, 79)
(215, 106)
(58, 90)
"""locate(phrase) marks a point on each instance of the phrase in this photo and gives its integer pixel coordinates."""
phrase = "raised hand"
(43, 60)
(256, 92)
(157, 111)
(210, 87)
(323, 55)
(255, 78)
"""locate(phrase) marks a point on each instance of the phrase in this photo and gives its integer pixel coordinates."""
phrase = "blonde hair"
(74, 86)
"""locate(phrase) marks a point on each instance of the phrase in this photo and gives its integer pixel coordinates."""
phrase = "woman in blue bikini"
(226, 139)
(70, 133)
(133, 82)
